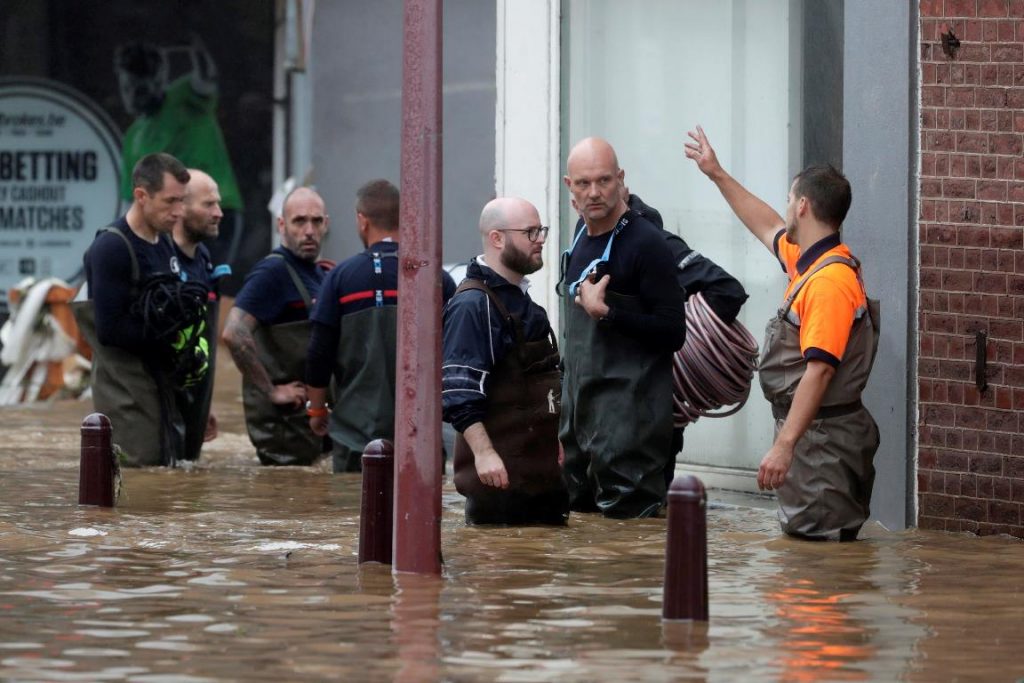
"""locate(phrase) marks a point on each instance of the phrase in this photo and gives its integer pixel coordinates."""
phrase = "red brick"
(926, 459)
(958, 119)
(1002, 489)
(974, 236)
(961, 8)
(1007, 53)
(1005, 75)
(970, 509)
(1007, 329)
(1004, 143)
(977, 487)
(998, 213)
(957, 280)
(1007, 238)
(1016, 8)
(1017, 491)
(1014, 467)
(931, 188)
(992, 8)
(988, 120)
(1004, 121)
(1006, 32)
(1004, 261)
(989, 31)
(992, 190)
(991, 283)
(958, 189)
(933, 505)
(958, 165)
(932, 95)
(944, 234)
(1003, 512)
(971, 142)
(974, 53)
(983, 97)
(942, 161)
(965, 97)
(988, 74)
(938, 141)
(931, 8)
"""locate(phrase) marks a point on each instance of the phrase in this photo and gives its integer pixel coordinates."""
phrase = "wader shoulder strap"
(851, 262)
(514, 323)
(131, 250)
(297, 281)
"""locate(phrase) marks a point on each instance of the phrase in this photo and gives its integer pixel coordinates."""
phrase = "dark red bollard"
(96, 464)
(686, 552)
(376, 513)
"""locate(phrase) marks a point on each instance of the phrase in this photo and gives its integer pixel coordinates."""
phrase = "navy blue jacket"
(352, 286)
(476, 339)
(108, 272)
(268, 293)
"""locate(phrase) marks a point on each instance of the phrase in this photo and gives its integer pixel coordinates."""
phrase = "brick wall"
(971, 458)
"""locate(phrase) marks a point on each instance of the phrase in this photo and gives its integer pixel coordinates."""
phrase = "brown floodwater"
(231, 572)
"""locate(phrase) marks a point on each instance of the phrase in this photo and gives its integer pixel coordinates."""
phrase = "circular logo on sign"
(60, 163)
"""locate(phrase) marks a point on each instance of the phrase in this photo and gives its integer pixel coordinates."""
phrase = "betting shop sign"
(60, 164)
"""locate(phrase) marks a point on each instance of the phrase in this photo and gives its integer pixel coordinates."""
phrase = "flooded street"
(233, 572)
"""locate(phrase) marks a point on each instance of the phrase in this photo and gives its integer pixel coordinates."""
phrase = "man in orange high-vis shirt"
(817, 354)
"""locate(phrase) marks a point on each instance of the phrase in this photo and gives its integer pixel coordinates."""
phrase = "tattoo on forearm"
(242, 345)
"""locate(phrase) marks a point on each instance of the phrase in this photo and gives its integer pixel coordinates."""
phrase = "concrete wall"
(356, 67)
(879, 158)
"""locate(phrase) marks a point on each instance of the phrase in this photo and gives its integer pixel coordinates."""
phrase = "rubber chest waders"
(522, 422)
(364, 398)
(616, 424)
(827, 492)
(281, 434)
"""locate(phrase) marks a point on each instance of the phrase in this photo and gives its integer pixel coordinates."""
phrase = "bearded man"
(500, 379)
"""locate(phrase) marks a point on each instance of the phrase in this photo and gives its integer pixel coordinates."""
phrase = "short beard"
(194, 235)
(518, 261)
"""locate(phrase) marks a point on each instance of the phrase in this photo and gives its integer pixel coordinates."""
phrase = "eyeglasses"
(533, 233)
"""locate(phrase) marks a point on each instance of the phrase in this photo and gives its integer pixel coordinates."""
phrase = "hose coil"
(714, 368)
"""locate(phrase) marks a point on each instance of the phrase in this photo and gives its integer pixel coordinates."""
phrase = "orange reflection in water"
(821, 637)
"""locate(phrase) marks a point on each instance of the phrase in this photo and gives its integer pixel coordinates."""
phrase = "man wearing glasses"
(500, 379)
(623, 321)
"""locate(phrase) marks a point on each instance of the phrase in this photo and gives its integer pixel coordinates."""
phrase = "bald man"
(500, 380)
(623, 321)
(267, 333)
(200, 223)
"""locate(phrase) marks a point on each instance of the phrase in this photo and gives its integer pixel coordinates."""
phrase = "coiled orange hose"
(715, 366)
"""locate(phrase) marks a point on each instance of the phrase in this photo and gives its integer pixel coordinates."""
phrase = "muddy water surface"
(232, 572)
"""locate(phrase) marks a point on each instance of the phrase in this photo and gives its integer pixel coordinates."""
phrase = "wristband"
(322, 411)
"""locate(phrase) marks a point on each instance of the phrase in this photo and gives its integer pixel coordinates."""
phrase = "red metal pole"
(417, 542)
(376, 512)
(686, 552)
(96, 462)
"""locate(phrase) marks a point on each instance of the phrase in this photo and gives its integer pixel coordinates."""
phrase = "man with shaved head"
(267, 332)
(500, 380)
(200, 225)
(623, 321)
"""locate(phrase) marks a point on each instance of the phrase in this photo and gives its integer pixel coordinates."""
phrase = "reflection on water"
(228, 571)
